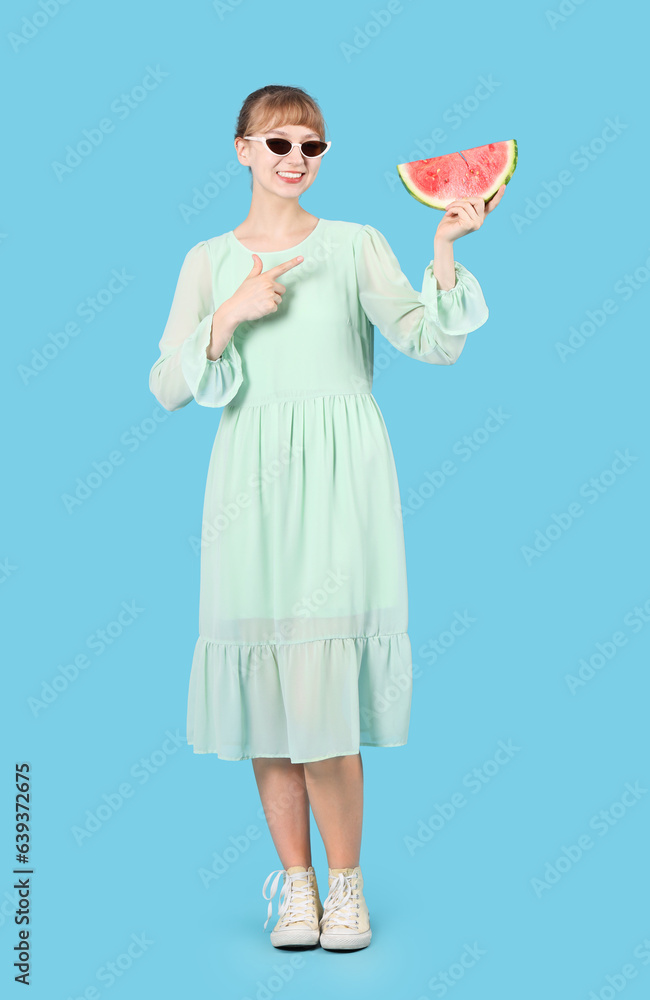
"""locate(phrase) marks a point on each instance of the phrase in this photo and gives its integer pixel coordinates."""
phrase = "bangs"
(276, 111)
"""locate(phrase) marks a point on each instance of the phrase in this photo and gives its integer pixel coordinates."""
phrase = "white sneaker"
(345, 923)
(299, 908)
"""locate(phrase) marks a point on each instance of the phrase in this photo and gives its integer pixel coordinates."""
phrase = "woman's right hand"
(259, 293)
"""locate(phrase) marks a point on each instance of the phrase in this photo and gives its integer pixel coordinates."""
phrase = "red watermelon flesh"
(470, 173)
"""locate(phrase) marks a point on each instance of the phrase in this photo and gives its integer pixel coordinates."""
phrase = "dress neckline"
(285, 250)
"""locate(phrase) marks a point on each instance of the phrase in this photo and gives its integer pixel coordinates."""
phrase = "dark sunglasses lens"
(279, 146)
(313, 147)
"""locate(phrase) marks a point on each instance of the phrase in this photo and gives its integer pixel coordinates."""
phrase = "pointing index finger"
(281, 268)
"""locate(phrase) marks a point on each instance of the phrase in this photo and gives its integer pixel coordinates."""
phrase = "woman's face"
(267, 168)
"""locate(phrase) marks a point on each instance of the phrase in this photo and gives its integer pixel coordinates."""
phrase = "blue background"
(550, 254)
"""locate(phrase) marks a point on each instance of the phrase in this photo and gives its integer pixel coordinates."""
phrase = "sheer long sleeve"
(183, 371)
(431, 325)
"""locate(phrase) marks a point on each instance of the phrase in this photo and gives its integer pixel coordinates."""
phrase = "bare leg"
(283, 792)
(335, 789)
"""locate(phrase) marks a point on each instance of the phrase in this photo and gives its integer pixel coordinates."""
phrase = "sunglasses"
(280, 147)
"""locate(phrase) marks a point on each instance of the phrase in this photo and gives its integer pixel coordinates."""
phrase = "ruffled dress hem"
(299, 699)
(337, 753)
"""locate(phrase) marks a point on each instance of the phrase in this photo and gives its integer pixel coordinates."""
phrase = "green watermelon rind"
(502, 178)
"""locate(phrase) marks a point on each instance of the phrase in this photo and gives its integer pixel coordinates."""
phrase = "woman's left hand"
(465, 216)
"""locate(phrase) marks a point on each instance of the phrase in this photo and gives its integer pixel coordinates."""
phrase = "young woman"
(303, 654)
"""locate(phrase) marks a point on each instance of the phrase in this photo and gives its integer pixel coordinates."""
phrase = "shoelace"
(341, 906)
(297, 901)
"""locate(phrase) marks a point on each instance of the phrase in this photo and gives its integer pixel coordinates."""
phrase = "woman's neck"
(273, 232)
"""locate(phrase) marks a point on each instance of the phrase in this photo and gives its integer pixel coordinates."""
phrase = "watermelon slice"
(471, 173)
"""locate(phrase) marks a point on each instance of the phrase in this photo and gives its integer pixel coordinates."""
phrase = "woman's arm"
(443, 264)
(195, 330)
(430, 325)
(463, 216)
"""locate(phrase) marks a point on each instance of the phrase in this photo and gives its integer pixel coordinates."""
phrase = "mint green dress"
(303, 650)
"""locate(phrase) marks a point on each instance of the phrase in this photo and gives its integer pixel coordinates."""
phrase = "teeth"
(286, 173)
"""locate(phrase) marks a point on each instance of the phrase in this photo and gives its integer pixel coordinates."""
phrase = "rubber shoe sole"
(295, 936)
(344, 941)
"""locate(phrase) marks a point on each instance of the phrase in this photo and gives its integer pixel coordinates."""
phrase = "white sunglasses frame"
(263, 139)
